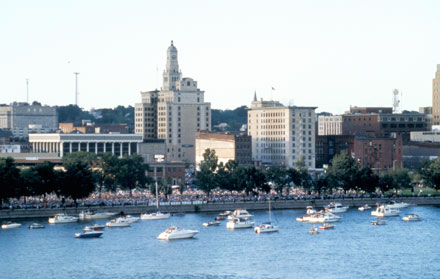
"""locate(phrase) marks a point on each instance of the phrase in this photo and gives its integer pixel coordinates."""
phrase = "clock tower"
(171, 74)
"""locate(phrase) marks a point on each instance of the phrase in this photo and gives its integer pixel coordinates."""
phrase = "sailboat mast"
(157, 197)
(270, 213)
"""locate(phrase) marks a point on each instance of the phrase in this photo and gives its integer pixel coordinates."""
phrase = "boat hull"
(246, 225)
(88, 235)
(11, 226)
(155, 216)
(165, 236)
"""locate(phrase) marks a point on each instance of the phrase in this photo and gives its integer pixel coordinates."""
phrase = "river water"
(354, 249)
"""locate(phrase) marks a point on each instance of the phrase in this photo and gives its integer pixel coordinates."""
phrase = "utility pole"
(27, 90)
(76, 88)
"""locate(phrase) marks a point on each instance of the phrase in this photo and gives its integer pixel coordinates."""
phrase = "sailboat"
(155, 215)
(267, 227)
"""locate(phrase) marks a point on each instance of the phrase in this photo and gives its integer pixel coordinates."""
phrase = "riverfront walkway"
(203, 206)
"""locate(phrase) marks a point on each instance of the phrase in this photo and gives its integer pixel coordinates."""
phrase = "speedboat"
(326, 226)
(62, 218)
(385, 211)
(378, 222)
(10, 225)
(225, 214)
(313, 230)
(211, 223)
(35, 226)
(220, 218)
(240, 213)
(176, 233)
(155, 216)
(130, 219)
(328, 217)
(95, 227)
(89, 215)
(411, 217)
(88, 234)
(265, 228)
(118, 223)
(238, 223)
(397, 205)
(336, 207)
(364, 207)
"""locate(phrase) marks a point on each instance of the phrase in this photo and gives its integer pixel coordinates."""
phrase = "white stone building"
(281, 135)
(175, 113)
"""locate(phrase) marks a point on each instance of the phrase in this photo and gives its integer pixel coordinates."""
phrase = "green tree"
(430, 173)
(278, 176)
(131, 172)
(342, 173)
(47, 176)
(367, 180)
(9, 179)
(77, 181)
(29, 181)
(206, 178)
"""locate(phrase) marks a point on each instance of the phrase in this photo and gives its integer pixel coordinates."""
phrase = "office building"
(436, 97)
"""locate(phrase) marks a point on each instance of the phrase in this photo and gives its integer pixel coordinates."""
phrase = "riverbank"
(210, 207)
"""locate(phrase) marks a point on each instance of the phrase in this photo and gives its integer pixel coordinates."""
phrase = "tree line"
(343, 174)
(83, 173)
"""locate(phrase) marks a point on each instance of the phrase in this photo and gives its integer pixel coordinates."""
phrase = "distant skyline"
(329, 54)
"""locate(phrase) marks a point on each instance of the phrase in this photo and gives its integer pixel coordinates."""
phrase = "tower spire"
(255, 96)
(171, 75)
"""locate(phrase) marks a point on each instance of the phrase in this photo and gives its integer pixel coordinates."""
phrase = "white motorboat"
(240, 213)
(378, 222)
(238, 223)
(35, 226)
(364, 207)
(176, 233)
(310, 210)
(225, 214)
(95, 227)
(329, 217)
(62, 218)
(211, 223)
(385, 211)
(397, 205)
(313, 230)
(10, 225)
(411, 218)
(155, 216)
(130, 219)
(336, 207)
(265, 228)
(326, 226)
(88, 234)
(89, 215)
(118, 223)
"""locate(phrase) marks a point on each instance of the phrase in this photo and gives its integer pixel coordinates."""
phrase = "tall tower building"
(436, 97)
(175, 113)
(282, 135)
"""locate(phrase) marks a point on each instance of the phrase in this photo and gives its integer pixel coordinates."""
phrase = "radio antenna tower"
(27, 90)
(76, 88)
(396, 101)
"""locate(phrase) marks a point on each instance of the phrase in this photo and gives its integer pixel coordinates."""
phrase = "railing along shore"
(211, 206)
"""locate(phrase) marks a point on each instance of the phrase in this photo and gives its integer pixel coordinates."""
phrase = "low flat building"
(117, 144)
(92, 128)
(237, 147)
(415, 153)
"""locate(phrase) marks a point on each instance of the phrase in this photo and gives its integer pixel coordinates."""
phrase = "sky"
(329, 54)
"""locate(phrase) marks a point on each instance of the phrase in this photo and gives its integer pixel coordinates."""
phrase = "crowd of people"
(189, 196)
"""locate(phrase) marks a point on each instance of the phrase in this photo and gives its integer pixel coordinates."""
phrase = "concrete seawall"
(210, 207)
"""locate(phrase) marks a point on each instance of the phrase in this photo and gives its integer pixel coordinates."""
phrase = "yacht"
(364, 207)
(328, 217)
(238, 223)
(378, 222)
(35, 226)
(336, 207)
(95, 227)
(411, 217)
(240, 213)
(118, 223)
(397, 205)
(310, 210)
(211, 223)
(62, 218)
(176, 233)
(155, 216)
(10, 225)
(266, 227)
(89, 215)
(385, 211)
(88, 233)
